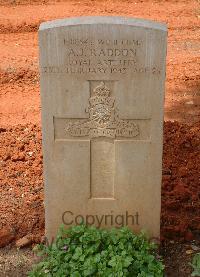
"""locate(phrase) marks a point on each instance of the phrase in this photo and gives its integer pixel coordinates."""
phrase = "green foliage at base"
(196, 265)
(87, 251)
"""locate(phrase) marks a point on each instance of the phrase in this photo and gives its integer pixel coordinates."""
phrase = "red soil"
(21, 180)
(21, 184)
(181, 181)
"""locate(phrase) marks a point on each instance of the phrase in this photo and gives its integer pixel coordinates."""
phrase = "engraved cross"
(102, 127)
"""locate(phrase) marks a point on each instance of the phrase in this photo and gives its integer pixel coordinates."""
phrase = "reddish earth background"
(21, 181)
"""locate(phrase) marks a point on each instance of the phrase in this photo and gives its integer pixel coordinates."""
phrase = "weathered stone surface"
(102, 88)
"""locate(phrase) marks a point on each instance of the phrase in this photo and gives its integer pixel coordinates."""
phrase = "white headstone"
(102, 89)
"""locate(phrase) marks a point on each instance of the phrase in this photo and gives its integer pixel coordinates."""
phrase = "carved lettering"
(108, 52)
(99, 69)
(116, 57)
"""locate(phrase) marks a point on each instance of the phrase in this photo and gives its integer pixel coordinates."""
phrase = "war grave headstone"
(102, 90)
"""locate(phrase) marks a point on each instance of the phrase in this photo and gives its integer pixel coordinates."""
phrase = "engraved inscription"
(101, 70)
(103, 118)
(100, 56)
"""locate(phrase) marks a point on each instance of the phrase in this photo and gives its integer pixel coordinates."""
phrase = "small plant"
(87, 251)
(196, 265)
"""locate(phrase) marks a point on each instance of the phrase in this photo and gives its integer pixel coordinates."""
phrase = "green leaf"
(196, 265)
(87, 251)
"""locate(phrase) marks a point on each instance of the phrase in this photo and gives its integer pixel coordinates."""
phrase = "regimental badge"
(103, 118)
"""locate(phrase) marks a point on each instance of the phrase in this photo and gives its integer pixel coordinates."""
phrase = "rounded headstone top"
(95, 20)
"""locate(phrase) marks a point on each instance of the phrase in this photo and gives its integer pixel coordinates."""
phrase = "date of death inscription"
(90, 56)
